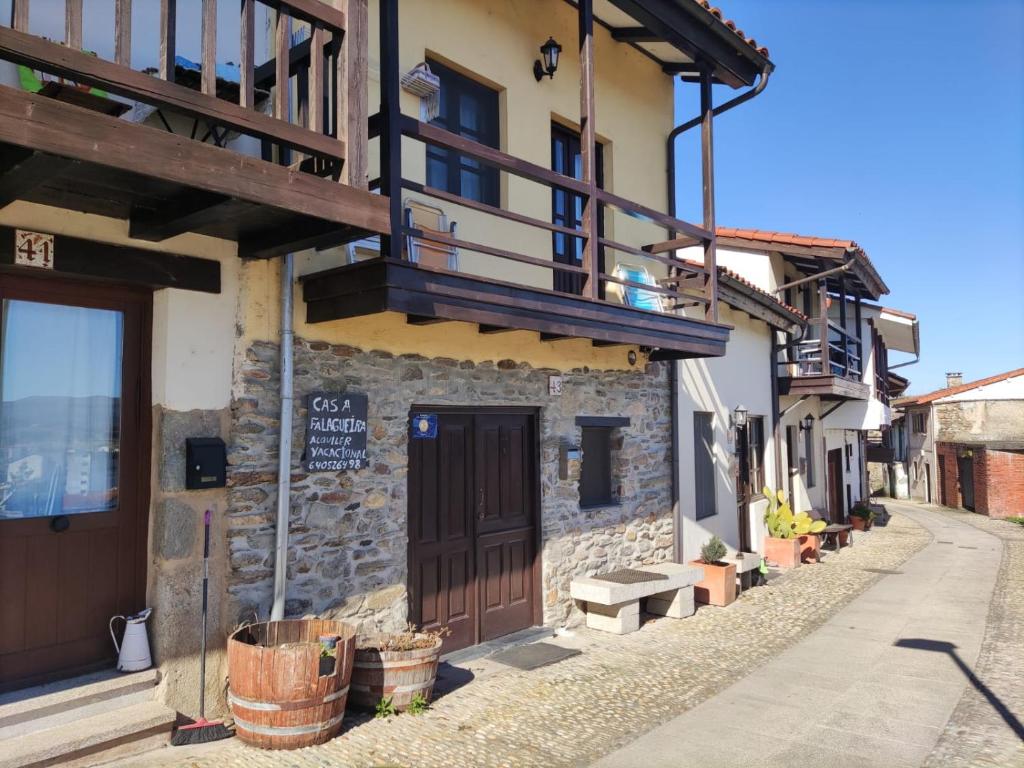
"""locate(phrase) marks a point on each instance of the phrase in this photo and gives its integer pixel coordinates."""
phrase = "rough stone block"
(677, 603)
(174, 529)
(619, 619)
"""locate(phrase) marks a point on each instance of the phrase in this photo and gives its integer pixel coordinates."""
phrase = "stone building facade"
(349, 530)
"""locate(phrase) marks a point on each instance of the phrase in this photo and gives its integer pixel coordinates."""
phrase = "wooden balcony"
(177, 150)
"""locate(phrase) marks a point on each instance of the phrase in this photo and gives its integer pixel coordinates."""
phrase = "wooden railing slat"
(443, 239)
(247, 84)
(209, 48)
(282, 43)
(19, 15)
(73, 23)
(123, 32)
(352, 93)
(316, 79)
(168, 33)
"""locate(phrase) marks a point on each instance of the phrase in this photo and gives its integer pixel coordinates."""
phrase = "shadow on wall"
(941, 646)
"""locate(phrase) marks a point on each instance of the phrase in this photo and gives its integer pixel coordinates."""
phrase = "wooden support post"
(73, 24)
(860, 345)
(19, 15)
(123, 32)
(826, 363)
(707, 163)
(208, 77)
(390, 126)
(315, 108)
(168, 24)
(247, 49)
(282, 46)
(842, 322)
(352, 107)
(588, 149)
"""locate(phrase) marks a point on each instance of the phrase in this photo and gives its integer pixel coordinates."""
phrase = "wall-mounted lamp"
(807, 424)
(631, 357)
(549, 51)
(739, 417)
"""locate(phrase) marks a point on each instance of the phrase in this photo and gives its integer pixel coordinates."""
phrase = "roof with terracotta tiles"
(781, 239)
(717, 13)
(765, 295)
(948, 391)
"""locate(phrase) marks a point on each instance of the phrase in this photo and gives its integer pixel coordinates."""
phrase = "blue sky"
(900, 125)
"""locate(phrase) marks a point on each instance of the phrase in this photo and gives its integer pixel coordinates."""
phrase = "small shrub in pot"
(718, 587)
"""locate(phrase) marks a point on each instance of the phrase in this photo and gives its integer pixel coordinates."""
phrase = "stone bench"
(613, 606)
(747, 565)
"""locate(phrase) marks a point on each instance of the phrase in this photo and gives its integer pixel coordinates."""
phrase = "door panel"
(965, 468)
(73, 452)
(471, 520)
(836, 510)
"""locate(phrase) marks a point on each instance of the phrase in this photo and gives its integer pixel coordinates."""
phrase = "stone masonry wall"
(348, 535)
(979, 420)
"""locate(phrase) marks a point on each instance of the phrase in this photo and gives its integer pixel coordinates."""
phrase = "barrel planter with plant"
(782, 544)
(289, 681)
(718, 587)
(395, 670)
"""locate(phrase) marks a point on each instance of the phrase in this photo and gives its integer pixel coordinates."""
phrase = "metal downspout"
(762, 83)
(284, 474)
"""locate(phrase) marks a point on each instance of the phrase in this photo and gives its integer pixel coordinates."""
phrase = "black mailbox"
(206, 461)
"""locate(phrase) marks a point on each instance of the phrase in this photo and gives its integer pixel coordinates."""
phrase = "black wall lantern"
(549, 51)
(739, 417)
(808, 423)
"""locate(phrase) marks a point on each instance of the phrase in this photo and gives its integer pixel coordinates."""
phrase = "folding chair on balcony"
(430, 220)
(640, 298)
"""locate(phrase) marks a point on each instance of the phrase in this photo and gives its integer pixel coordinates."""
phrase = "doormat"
(630, 576)
(527, 657)
(886, 571)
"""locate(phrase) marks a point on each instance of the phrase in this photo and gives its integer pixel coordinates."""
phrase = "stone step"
(91, 740)
(45, 700)
(62, 717)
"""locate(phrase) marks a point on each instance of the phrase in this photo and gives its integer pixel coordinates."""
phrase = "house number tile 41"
(33, 249)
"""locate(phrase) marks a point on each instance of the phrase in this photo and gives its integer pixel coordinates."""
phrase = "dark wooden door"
(743, 493)
(472, 522)
(942, 481)
(836, 508)
(965, 469)
(74, 445)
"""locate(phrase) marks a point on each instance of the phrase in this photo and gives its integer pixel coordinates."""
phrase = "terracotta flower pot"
(858, 523)
(810, 548)
(844, 538)
(718, 587)
(785, 553)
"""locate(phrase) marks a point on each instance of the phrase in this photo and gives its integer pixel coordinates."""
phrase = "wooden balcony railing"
(840, 351)
(685, 283)
(328, 130)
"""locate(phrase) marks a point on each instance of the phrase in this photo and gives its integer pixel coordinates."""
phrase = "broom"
(202, 730)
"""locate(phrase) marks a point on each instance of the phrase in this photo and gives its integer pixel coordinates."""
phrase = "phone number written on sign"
(335, 432)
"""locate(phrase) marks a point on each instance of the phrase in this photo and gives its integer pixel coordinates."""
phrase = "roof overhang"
(685, 37)
(900, 331)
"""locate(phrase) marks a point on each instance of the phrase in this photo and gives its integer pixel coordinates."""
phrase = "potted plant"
(782, 544)
(394, 671)
(718, 587)
(862, 516)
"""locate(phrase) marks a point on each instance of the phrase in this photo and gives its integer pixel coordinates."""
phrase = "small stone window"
(597, 469)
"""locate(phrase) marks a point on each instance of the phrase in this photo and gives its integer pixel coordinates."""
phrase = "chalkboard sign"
(335, 432)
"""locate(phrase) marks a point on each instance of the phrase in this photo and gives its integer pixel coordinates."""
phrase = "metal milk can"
(133, 652)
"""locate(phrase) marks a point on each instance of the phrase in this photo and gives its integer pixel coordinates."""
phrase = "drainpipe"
(762, 83)
(677, 518)
(284, 459)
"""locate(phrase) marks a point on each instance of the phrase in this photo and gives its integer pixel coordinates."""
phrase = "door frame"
(534, 412)
(58, 288)
(834, 485)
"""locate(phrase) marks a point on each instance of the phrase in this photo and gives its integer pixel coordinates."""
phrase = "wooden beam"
(634, 35)
(352, 94)
(495, 329)
(311, 11)
(424, 320)
(36, 122)
(247, 53)
(554, 337)
(22, 170)
(191, 212)
(84, 68)
(19, 15)
(123, 264)
(168, 37)
(391, 126)
(707, 165)
(673, 245)
(282, 44)
(316, 79)
(826, 363)
(590, 221)
(278, 241)
(208, 72)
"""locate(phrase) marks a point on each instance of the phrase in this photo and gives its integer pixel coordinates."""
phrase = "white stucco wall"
(1008, 389)
(804, 497)
(718, 385)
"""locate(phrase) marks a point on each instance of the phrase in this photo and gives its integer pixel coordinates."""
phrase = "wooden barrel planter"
(282, 694)
(395, 675)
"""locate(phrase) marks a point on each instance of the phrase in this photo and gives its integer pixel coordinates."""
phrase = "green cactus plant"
(782, 523)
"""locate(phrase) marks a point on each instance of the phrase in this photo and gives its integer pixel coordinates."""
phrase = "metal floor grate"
(630, 576)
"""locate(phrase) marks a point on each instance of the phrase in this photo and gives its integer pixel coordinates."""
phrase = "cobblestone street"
(575, 711)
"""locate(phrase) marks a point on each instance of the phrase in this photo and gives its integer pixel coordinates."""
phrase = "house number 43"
(33, 249)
